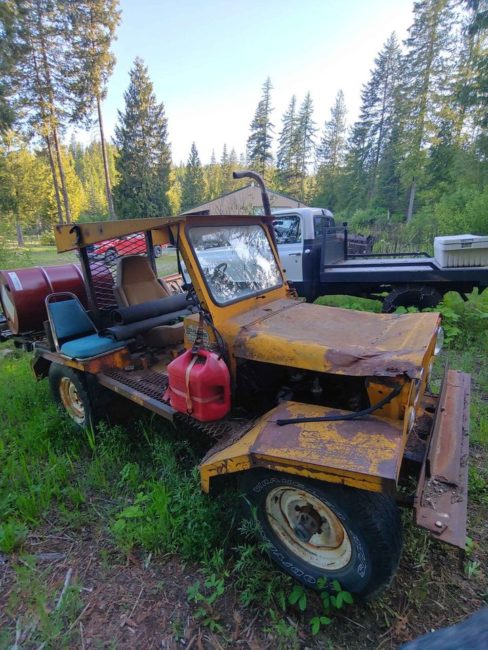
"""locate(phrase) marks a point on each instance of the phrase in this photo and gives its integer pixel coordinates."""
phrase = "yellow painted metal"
(71, 236)
(221, 314)
(360, 453)
(328, 339)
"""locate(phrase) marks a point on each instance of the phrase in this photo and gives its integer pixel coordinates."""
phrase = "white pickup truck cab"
(299, 235)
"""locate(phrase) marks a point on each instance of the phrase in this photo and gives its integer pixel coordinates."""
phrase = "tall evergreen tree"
(376, 130)
(92, 25)
(11, 50)
(144, 159)
(260, 141)
(287, 157)
(427, 90)
(212, 174)
(305, 137)
(331, 153)
(193, 186)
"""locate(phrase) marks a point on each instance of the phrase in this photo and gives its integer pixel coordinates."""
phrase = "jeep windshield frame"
(236, 261)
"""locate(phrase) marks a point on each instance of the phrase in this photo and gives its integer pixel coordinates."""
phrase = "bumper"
(442, 493)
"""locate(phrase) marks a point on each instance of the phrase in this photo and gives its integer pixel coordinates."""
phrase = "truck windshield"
(236, 261)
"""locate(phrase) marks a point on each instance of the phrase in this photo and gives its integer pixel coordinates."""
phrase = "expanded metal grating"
(103, 262)
(150, 383)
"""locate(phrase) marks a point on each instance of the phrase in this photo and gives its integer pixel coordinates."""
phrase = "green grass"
(138, 486)
(37, 255)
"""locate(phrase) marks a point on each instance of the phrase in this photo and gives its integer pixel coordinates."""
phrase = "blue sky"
(209, 59)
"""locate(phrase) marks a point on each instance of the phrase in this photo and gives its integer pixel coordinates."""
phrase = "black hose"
(348, 416)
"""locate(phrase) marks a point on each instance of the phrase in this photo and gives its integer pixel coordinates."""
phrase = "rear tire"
(72, 394)
(420, 297)
(359, 536)
(157, 251)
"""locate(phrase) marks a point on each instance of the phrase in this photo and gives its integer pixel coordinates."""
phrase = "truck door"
(289, 237)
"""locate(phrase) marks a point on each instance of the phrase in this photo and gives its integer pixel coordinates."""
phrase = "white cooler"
(461, 250)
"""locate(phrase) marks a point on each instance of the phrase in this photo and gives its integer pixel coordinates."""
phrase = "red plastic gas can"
(199, 384)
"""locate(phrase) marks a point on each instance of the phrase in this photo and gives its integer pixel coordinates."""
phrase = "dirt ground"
(141, 602)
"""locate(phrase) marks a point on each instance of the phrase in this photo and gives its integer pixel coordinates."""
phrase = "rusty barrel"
(23, 291)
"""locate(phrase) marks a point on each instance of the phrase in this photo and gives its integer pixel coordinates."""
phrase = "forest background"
(413, 165)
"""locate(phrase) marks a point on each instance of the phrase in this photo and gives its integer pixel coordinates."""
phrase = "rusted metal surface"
(117, 359)
(365, 453)
(69, 237)
(442, 493)
(328, 339)
(144, 387)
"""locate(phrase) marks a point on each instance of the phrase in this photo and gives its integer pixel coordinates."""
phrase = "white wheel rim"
(329, 548)
(71, 400)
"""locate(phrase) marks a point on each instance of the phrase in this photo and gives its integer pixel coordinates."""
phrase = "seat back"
(68, 318)
(136, 282)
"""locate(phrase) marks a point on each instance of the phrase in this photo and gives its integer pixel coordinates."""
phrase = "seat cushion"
(70, 319)
(90, 346)
(136, 281)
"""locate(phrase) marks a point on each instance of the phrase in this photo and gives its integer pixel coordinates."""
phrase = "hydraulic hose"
(348, 416)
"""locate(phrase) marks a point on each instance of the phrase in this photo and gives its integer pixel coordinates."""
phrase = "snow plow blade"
(442, 494)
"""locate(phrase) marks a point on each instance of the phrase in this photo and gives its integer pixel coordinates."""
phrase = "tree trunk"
(52, 111)
(55, 179)
(411, 199)
(62, 175)
(20, 234)
(108, 188)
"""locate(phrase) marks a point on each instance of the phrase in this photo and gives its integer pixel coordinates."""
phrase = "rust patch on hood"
(342, 341)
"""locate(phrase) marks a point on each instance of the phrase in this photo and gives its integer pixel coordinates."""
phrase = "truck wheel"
(110, 256)
(71, 394)
(420, 297)
(322, 530)
(157, 251)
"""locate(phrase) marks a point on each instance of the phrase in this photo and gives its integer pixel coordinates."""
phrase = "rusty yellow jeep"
(319, 414)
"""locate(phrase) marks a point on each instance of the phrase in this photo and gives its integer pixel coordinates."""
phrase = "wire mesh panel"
(333, 245)
(103, 261)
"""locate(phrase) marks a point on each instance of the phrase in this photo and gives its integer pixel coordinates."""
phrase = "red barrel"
(199, 384)
(22, 293)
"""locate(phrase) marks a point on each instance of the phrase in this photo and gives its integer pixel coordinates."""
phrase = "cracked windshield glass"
(236, 261)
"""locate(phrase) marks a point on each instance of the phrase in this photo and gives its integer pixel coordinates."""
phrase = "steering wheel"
(220, 269)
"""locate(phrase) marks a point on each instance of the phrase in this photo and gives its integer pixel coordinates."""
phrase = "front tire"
(322, 530)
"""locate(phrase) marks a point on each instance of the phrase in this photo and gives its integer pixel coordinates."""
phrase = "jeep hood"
(334, 340)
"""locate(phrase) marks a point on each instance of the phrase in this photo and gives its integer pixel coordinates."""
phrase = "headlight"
(439, 342)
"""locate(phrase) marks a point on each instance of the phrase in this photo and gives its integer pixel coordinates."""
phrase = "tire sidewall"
(355, 576)
(56, 373)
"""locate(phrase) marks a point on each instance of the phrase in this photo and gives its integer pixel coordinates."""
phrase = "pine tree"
(331, 153)
(226, 170)
(193, 186)
(11, 50)
(40, 84)
(427, 89)
(144, 159)
(372, 141)
(287, 157)
(92, 25)
(305, 137)
(260, 141)
(213, 181)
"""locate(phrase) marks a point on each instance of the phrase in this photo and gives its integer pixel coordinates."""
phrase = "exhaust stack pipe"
(259, 180)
